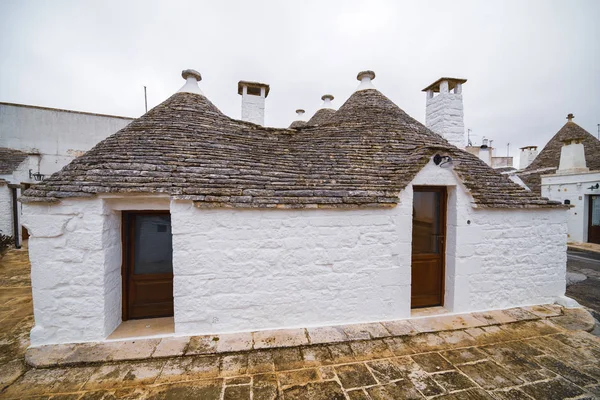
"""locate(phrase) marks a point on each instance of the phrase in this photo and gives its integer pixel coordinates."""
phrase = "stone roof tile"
(363, 157)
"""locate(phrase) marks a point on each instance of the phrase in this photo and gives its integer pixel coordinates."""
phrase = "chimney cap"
(250, 84)
(327, 96)
(300, 111)
(452, 82)
(186, 73)
(368, 73)
(528, 148)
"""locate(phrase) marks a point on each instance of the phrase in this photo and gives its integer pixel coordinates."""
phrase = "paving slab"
(199, 345)
(322, 335)
(543, 311)
(489, 375)
(452, 381)
(399, 328)
(234, 342)
(354, 375)
(280, 338)
(555, 389)
(171, 347)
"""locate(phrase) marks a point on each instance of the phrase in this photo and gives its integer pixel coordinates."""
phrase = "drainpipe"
(13, 189)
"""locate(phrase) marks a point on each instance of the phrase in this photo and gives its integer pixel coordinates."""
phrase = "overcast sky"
(528, 63)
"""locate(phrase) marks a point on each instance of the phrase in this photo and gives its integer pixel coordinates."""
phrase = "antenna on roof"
(145, 99)
(507, 149)
(469, 137)
(598, 131)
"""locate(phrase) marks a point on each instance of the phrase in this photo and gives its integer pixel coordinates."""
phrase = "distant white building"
(568, 170)
(36, 142)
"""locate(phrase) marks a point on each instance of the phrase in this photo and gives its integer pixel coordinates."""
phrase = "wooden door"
(428, 246)
(147, 265)
(594, 220)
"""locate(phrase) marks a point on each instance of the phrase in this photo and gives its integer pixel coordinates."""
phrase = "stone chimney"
(444, 110)
(572, 153)
(528, 154)
(485, 152)
(253, 101)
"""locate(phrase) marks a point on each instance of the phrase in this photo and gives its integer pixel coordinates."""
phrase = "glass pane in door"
(153, 245)
(595, 209)
(426, 222)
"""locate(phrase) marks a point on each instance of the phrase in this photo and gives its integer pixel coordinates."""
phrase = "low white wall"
(75, 255)
(241, 270)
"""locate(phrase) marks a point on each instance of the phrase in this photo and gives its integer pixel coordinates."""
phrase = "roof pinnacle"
(570, 117)
(192, 77)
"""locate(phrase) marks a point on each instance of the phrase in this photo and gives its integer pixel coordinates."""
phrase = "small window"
(254, 91)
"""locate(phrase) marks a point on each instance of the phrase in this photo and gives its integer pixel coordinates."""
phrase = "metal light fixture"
(595, 187)
(36, 176)
(444, 161)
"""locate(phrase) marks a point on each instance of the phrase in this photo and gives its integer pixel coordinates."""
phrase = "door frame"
(127, 255)
(590, 215)
(443, 210)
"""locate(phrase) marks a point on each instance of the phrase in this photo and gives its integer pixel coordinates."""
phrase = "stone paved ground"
(523, 360)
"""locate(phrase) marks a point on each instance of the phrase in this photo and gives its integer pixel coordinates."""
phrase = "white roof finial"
(192, 77)
(365, 78)
(327, 98)
(300, 114)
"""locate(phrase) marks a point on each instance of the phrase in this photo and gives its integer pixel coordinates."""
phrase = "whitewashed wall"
(253, 107)
(575, 188)
(241, 270)
(58, 135)
(445, 116)
(6, 221)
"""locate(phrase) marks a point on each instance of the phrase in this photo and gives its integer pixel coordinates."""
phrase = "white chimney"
(528, 154)
(444, 111)
(327, 99)
(572, 154)
(485, 153)
(253, 101)
(365, 78)
(192, 77)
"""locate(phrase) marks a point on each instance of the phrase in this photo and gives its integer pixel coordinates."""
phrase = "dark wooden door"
(428, 246)
(147, 265)
(594, 220)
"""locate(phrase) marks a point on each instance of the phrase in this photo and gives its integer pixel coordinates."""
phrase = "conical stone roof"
(548, 160)
(322, 116)
(362, 157)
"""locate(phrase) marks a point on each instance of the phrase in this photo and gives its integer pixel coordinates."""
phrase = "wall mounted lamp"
(595, 187)
(36, 176)
(444, 161)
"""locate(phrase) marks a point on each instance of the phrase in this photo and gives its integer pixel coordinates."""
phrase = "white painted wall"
(444, 114)
(575, 188)
(572, 158)
(253, 107)
(6, 221)
(241, 270)
(58, 135)
(528, 154)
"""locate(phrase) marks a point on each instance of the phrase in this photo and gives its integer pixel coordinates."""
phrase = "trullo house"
(359, 215)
